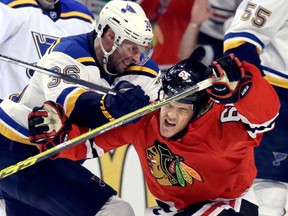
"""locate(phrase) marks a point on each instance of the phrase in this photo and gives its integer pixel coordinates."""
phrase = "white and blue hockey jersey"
(74, 56)
(260, 30)
(265, 25)
(27, 30)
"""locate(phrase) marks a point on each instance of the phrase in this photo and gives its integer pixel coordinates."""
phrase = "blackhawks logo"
(170, 169)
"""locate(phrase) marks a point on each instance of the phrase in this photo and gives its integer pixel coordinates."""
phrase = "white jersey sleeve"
(51, 88)
(263, 23)
(12, 25)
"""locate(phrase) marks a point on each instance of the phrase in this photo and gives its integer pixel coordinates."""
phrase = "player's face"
(126, 54)
(174, 117)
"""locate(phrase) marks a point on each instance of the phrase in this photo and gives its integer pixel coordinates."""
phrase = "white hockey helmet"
(128, 21)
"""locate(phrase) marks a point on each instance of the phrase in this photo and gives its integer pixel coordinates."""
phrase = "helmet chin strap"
(106, 56)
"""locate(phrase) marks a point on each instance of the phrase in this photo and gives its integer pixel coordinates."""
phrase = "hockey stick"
(99, 130)
(57, 75)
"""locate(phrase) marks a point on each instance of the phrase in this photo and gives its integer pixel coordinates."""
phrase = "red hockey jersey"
(215, 157)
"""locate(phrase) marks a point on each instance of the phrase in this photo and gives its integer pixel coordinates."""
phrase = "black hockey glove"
(232, 82)
(128, 99)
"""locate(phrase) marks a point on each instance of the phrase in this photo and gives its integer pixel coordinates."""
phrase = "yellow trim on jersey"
(21, 2)
(143, 69)
(236, 43)
(77, 14)
(277, 81)
(72, 100)
(85, 59)
(13, 136)
(50, 49)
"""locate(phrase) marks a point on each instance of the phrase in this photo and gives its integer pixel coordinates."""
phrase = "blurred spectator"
(210, 21)
(170, 18)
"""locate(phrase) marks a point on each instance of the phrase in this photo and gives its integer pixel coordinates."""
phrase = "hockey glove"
(45, 121)
(48, 126)
(128, 99)
(232, 81)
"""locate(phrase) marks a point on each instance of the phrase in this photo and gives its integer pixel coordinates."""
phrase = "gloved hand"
(232, 81)
(48, 126)
(128, 99)
(45, 121)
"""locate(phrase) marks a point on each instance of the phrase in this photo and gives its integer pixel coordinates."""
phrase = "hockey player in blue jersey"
(118, 51)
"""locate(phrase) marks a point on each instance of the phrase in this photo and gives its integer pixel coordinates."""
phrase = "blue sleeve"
(247, 52)
(87, 112)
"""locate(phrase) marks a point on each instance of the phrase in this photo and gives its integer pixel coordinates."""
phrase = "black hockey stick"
(57, 75)
(99, 130)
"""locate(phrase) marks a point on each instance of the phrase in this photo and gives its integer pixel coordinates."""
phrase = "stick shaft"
(99, 130)
(57, 75)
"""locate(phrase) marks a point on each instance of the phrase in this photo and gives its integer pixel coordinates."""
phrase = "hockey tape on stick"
(106, 127)
(57, 75)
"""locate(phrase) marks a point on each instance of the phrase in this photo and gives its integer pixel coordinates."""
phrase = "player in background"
(122, 38)
(258, 34)
(28, 28)
(196, 153)
(208, 20)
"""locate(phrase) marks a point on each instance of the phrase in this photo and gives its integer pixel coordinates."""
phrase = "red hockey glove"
(128, 99)
(45, 121)
(232, 81)
(48, 126)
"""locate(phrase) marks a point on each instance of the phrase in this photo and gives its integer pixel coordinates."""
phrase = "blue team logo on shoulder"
(128, 8)
(279, 156)
(42, 42)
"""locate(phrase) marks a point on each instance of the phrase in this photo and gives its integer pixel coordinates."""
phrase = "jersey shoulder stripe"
(77, 15)
(68, 98)
(150, 69)
(69, 9)
(88, 60)
(74, 9)
(7, 125)
(233, 40)
(21, 4)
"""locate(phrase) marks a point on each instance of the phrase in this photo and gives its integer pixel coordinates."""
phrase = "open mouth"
(169, 124)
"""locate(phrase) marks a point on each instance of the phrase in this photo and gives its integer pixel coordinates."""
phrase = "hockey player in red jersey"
(197, 153)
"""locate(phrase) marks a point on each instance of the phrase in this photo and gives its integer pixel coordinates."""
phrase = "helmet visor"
(144, 52)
